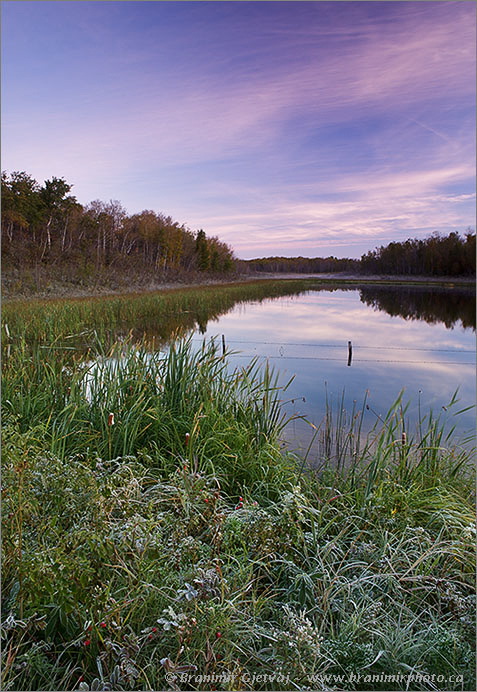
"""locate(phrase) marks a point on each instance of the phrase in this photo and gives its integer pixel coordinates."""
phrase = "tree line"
(301, 265)
(437, 255)
(46, 225)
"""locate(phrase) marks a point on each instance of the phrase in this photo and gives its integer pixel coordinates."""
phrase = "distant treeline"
(451, 255)
(46, 225)
(302, 265)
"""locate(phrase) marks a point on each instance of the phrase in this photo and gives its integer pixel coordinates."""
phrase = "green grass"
(85, 321)
(128, 553)
(82, 321)
(180, 539)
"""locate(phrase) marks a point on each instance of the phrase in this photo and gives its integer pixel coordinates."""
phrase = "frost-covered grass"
(175, 536)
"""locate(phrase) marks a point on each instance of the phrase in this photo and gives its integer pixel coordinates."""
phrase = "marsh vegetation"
(152, 525)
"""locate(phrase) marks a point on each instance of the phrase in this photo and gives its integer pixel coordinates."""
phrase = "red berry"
(154, 629)
(218, 635)
(103, 625)
(87, 642)
(206, 499)
(150, 636)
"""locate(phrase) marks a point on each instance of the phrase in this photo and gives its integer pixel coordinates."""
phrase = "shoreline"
(62, 291)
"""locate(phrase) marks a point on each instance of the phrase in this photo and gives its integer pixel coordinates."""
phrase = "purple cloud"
(281, 127)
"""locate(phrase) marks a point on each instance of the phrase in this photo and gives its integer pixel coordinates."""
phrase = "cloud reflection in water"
(307, 336)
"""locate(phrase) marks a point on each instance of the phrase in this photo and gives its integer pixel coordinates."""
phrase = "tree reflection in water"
(431, 304)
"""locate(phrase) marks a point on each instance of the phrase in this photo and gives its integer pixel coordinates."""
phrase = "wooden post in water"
(350, 352)
(223, 345)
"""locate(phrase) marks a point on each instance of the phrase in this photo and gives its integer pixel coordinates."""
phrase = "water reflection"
(307, 336)
(449, 306)
(414, 340)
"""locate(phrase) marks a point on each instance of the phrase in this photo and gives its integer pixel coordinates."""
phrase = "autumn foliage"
(45, 226)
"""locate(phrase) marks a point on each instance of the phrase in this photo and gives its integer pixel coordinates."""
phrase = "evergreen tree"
(202, 251)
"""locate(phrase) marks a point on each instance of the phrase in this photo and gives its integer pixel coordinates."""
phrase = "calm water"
(418, 340)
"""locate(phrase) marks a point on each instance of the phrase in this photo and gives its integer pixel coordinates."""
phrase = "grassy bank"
(24, 285)
(60, 282)
(152, 527)
(157, 314)
(87, 320)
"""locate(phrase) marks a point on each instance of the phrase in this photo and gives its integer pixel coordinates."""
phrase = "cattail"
(403, 439)
(111, 419)
(187, 436)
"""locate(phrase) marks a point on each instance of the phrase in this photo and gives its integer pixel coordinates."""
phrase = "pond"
(418, 340)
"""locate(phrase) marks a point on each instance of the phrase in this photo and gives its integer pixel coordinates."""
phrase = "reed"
(82, 321)
(151, 524)
(155, 399)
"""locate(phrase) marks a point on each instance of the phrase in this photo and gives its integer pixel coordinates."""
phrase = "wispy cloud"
(272, 125)
(383, 208)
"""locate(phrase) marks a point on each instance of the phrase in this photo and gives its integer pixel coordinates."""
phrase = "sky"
(284, 128)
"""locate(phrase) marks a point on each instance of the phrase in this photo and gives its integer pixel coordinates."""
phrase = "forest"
(48, 235)
(437, 255)
(303, 265)
(45, 226)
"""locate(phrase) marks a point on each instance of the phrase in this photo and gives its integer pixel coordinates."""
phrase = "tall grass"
(155, 399)
(151, 525)
(158, 315)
